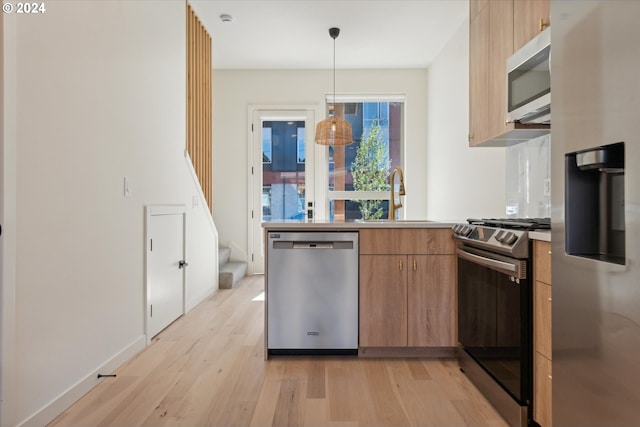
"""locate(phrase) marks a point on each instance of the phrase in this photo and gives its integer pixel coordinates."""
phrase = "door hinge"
(151, 310)
(252, 258)
(251, 127)
(251, 170)
(251, 214)
(151, 245)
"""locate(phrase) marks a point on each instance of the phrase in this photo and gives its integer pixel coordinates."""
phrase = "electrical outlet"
(127, 187)
(195, 201)
(547, 186)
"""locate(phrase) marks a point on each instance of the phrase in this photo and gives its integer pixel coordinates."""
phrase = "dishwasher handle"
(288, 244)
(312, 245)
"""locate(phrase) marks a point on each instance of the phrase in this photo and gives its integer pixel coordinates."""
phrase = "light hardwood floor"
(208, 369)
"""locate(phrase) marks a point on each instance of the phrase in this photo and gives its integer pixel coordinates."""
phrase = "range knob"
(509, 238)
(500, 235)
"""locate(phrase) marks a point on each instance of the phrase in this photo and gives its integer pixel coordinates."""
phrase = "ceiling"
(294, 34)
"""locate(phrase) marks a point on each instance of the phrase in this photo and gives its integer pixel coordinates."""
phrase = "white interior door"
(165, 270)
(281, 171)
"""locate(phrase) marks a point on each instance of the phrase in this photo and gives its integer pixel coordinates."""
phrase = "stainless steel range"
(495, 311)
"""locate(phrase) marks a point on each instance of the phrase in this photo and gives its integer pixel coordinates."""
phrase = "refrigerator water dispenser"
(594, 203)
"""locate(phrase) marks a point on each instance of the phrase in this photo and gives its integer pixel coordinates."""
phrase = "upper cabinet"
(530, 17)
(497, 28)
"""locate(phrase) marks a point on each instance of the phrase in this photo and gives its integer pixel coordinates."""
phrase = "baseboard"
(446, 352)
(61, 403)
(193, 302)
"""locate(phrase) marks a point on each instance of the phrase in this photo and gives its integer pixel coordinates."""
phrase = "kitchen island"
(406, 290)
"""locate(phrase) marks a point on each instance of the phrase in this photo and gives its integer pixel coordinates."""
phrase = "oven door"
(494, 317)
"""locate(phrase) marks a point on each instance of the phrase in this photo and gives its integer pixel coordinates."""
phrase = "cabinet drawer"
(542, 389)
(542, 318)
(542, 261)
(418, 241)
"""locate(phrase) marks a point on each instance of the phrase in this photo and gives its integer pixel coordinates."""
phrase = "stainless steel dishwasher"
(312, 292)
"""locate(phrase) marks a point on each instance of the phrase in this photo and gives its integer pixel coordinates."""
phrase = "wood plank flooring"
(208, 369)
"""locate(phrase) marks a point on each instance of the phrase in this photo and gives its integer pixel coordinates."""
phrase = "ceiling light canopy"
(334, 130)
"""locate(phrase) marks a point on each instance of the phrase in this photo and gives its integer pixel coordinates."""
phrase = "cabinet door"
(383, 301)
(479, 76)
(500, 48)
(542, 390)
(431, 314)
(542, 261)
(542, 319)
(529, 18)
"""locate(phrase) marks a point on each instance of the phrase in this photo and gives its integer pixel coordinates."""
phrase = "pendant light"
(334, 130)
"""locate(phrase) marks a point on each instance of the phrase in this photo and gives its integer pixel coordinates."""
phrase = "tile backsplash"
(528, 179)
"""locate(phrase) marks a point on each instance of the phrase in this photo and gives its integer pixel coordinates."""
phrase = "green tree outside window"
(370, 170)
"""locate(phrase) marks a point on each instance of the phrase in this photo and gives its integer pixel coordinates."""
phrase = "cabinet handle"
(543, 24)
(549, 299)
(549, 252)
(469, 137)
(400, 265)
(506, 120)
(550, 377)
(415, 265)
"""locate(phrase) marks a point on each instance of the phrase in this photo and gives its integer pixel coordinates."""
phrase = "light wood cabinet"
(530, 17)
(542, 318)
(407, 288)
(542, 301)
(383, 301)
(479, 74)
(542, 378)
(491, 42)
(431, 314)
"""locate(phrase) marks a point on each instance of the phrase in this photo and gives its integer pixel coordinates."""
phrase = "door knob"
(183, 264)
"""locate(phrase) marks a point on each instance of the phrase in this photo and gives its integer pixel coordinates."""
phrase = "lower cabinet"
(431, 313)
(407, 300)
(383, 301)
(542, 389)
(542, 302)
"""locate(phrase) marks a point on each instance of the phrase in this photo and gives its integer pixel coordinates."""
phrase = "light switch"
(195, 201)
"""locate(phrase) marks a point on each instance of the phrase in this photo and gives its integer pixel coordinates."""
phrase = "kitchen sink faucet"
(393, 206)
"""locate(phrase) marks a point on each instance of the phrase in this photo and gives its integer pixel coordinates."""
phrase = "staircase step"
(224, 253)
(231, 273)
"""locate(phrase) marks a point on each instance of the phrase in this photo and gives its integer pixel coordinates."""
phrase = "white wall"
(97, 94)
(235, 90)
(462, 182)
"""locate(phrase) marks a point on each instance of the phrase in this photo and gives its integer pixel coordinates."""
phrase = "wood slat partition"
(199, 102)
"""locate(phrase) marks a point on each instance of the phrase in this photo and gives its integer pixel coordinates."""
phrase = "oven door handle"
(512, 268)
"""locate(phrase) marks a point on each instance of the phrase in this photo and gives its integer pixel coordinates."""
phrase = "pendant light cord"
(334, 76)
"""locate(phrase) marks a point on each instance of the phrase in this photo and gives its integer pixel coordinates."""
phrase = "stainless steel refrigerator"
(595, 160)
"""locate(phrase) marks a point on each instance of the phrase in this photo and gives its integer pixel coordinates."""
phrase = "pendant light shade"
(334, 130)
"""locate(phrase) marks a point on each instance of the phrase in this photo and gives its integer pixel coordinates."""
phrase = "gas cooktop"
(514, 223)
(507, 236)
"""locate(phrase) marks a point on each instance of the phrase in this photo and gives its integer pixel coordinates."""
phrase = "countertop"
(353, 225)
(540, 235)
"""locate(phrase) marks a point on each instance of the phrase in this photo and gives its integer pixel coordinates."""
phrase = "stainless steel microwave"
(529, 81)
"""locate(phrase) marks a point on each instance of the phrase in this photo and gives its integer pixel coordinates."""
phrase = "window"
(359, 173)
(283, 169)
(266, 145)
(301, 145)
